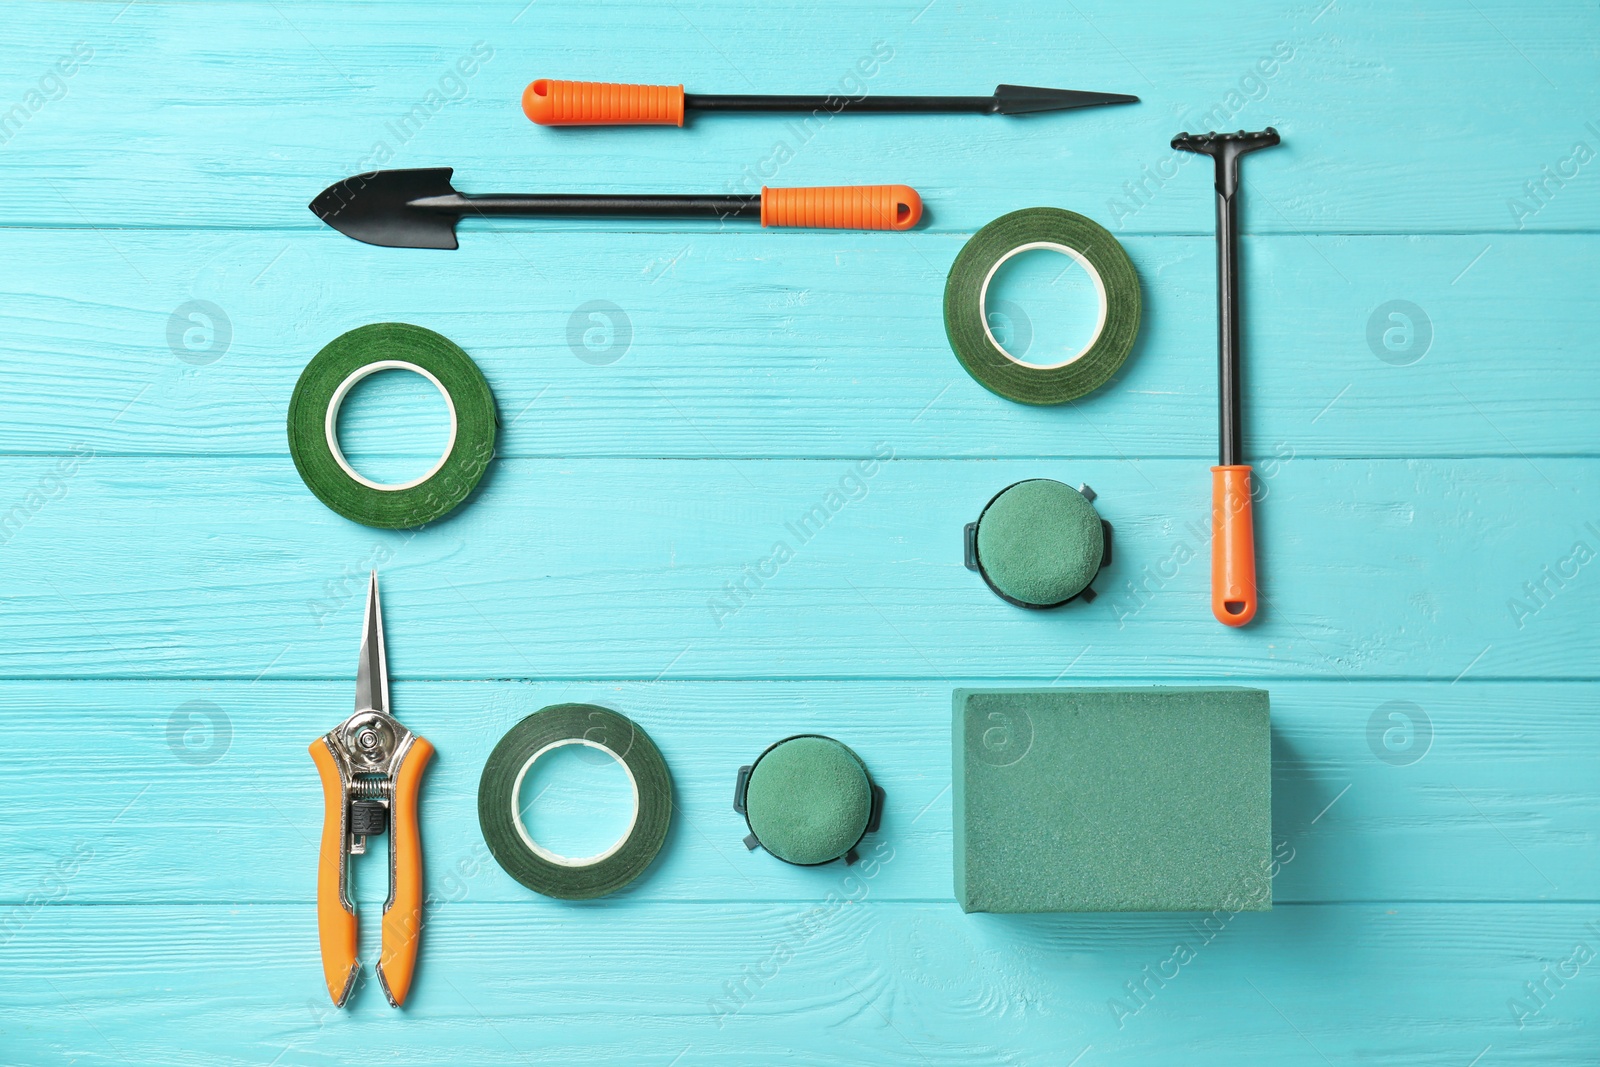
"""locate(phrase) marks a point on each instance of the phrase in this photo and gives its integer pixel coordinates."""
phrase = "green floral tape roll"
(966, 321)
(314, 424)
(500, 815)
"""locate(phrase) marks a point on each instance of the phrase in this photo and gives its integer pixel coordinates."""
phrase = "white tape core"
(555, 857)
(331, 422)
(1099, 289)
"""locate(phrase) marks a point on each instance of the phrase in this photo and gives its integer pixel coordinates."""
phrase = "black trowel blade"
(376, 208)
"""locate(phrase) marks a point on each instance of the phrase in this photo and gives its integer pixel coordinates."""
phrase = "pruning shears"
(371, 768)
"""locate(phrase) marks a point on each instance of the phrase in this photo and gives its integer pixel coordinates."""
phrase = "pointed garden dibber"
(562, 103)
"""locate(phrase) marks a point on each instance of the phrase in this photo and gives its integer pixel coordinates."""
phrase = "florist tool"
(314, 424)
(808, 800)
(563, 103)
(966, 312)
(1039, 543)
(420, 209)
(500, 804)
(371, 770)
(1233, 549)
(1140, 799)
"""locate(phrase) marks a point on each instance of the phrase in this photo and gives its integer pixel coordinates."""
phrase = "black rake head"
(1213, 144)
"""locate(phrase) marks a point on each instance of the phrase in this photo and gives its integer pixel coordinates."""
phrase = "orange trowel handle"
(336, 916)
(843, 207)
(402, 915)
(1233, 546)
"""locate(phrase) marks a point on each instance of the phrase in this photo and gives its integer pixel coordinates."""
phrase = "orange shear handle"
(402, 915)
(1233, 546)
(336, 916)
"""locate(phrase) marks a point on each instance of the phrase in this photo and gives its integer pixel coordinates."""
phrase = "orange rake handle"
(402, 915)
(557, 103)
(336, 916)
(843, 207)
(1233, 546)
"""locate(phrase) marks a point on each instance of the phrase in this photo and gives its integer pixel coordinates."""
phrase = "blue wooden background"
(181, 615)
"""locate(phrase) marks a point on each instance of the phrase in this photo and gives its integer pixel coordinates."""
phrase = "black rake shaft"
(1225, 149)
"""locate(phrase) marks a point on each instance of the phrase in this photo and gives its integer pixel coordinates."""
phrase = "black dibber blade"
(1027, 99)
(378, 208)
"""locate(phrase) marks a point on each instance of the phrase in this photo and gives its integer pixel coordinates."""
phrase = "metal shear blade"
(372, 695)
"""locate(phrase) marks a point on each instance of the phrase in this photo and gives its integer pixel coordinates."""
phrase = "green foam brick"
(1151, 799)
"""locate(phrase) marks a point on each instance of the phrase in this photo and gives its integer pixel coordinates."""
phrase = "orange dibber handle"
(336, 916)
(843, 207)
(1233, 546)
(402, 914)
(554, 103)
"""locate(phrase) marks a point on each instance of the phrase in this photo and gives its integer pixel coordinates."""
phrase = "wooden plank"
(722, 569)
(202, 792)
(791, 344)
(1395, 122)
(851, 982)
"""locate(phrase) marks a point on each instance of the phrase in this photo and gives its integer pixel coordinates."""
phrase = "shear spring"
(371, 789)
